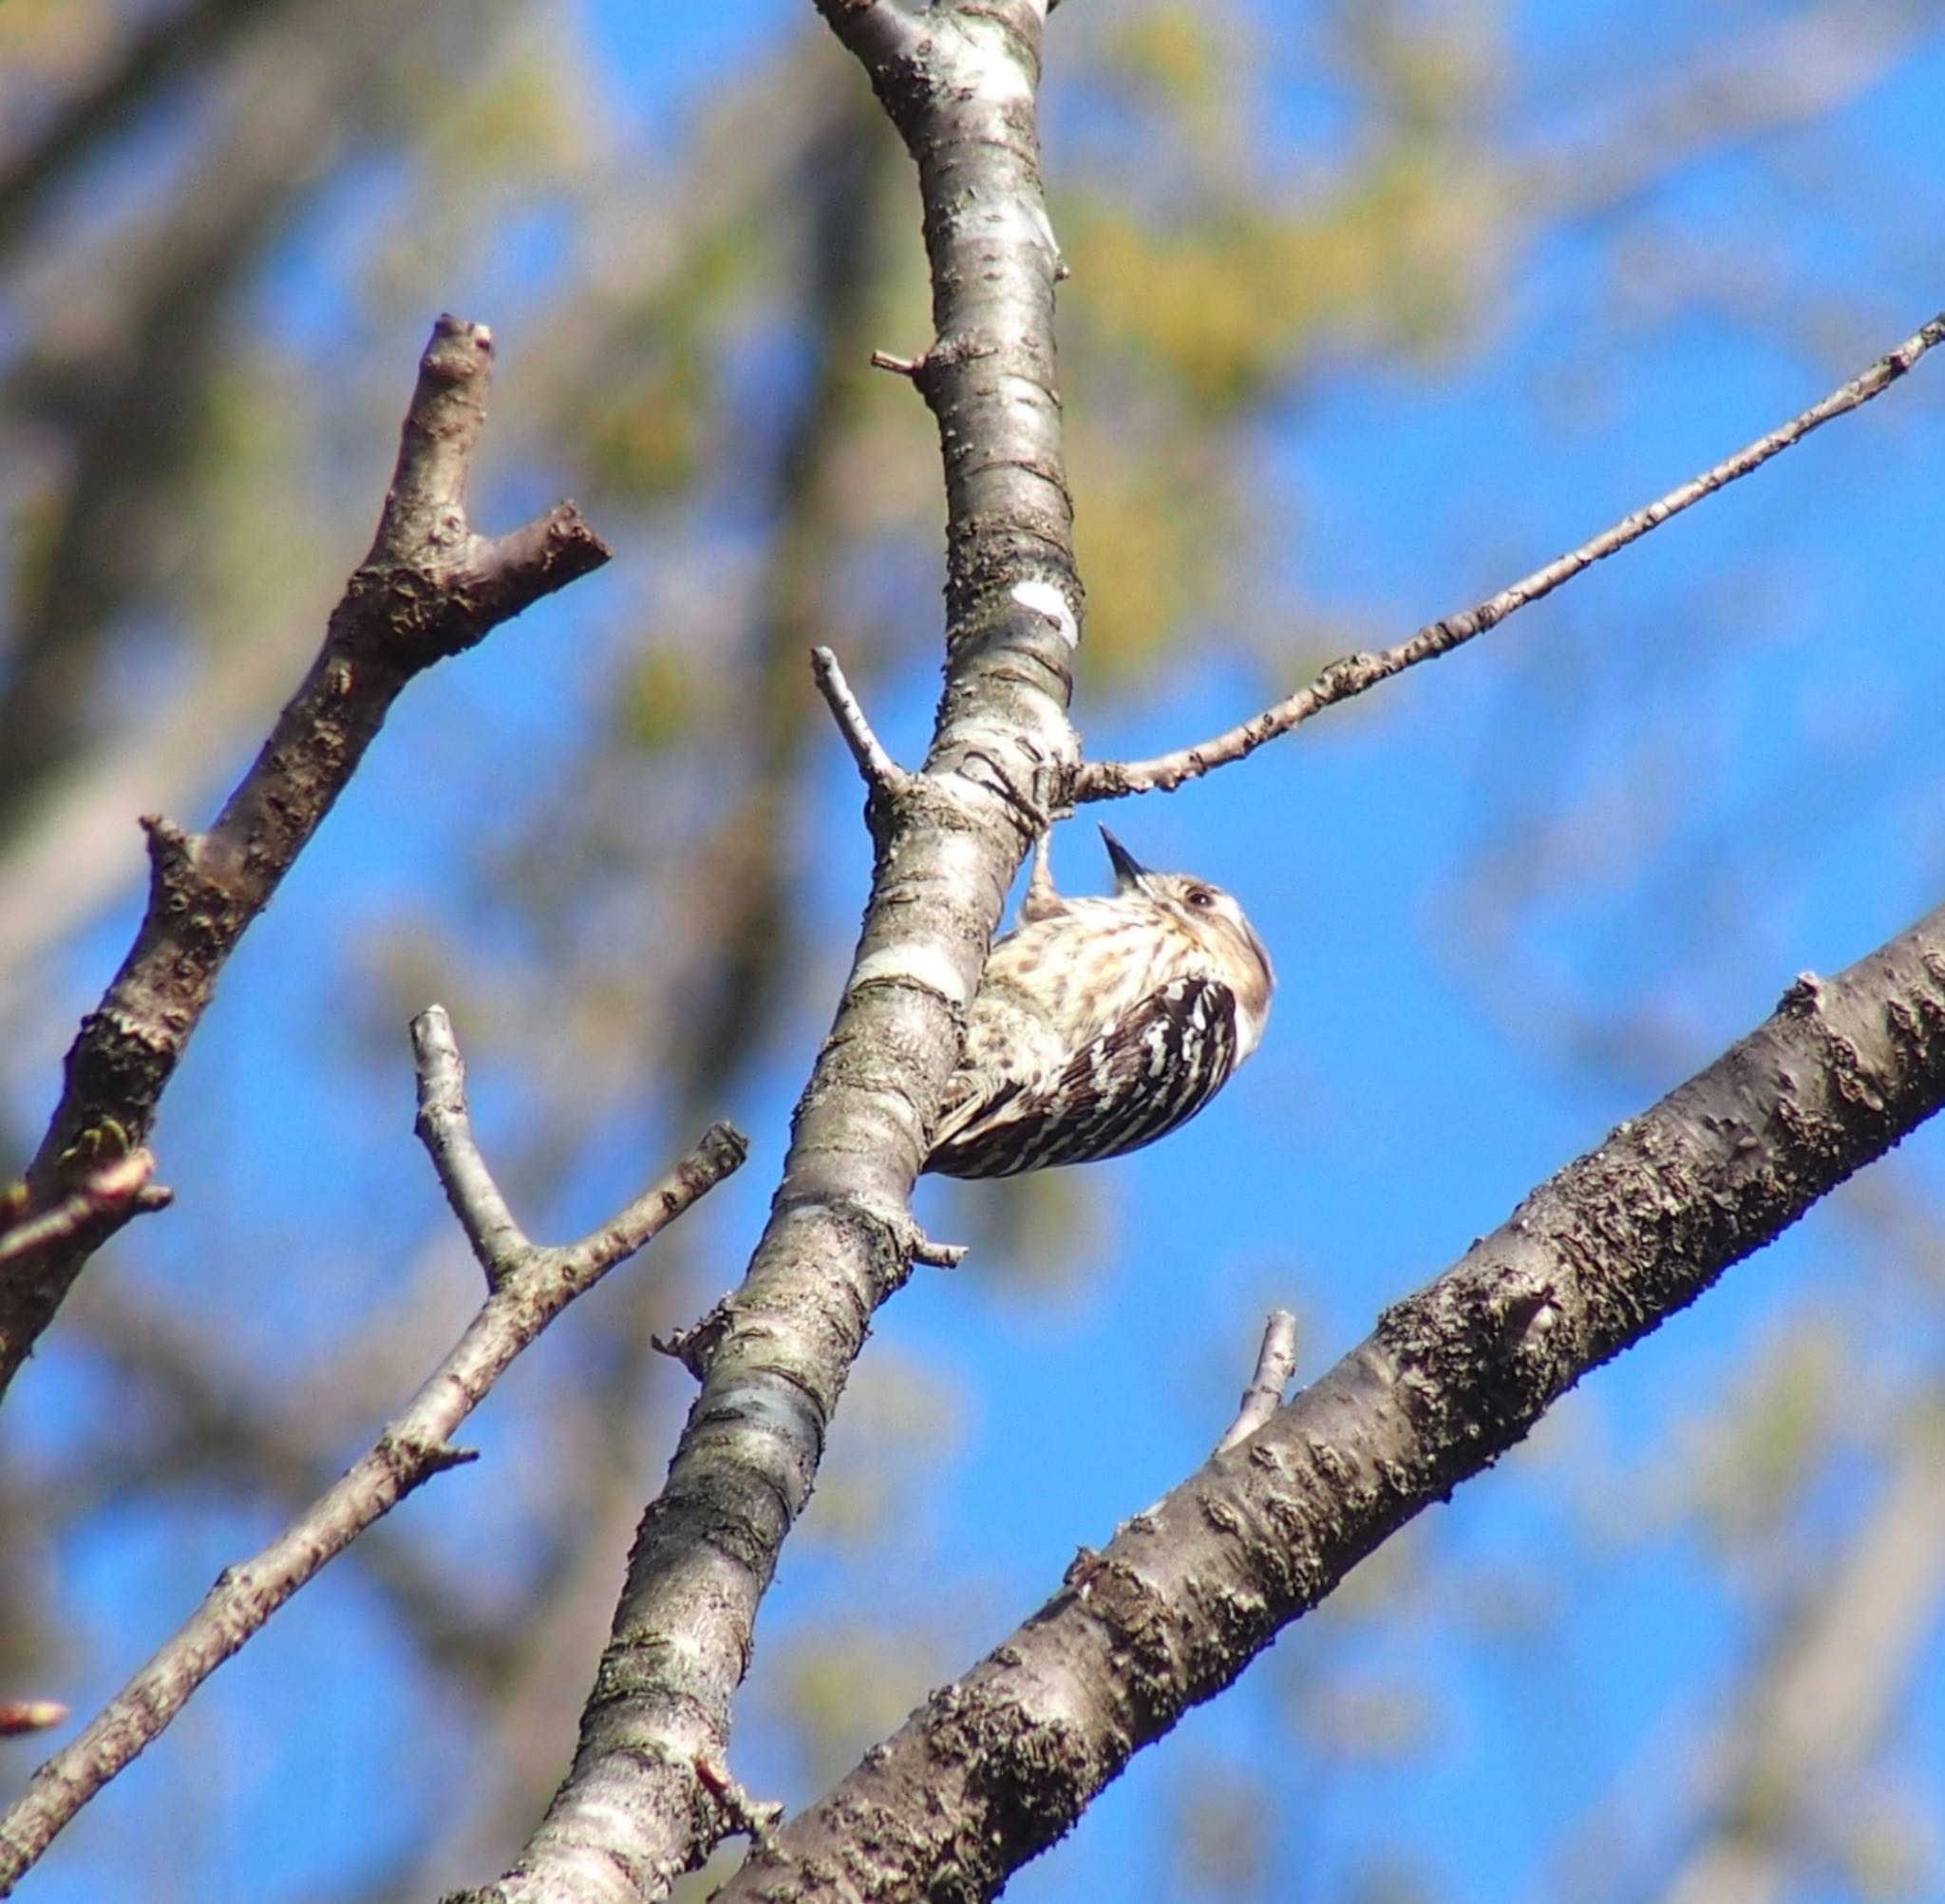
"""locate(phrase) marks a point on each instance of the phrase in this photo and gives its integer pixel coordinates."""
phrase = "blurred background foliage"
(1372, 306)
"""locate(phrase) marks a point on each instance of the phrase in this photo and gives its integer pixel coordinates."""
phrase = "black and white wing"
(1150, 1070)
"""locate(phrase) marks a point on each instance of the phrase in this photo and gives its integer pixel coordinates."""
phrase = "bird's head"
(1212, 918)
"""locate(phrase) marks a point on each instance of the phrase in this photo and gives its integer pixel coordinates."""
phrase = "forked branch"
(996, 1767)
(644, 1801)
(530, 1286)
(429, 588)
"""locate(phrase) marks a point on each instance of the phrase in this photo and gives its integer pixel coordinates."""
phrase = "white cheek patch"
(1250, 1021)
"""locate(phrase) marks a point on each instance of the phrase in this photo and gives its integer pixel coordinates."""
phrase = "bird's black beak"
(1128, 871)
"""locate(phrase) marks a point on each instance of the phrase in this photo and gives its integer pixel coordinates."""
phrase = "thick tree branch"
(429, 588)
(1353, 673)
(960, 82)
(530, 1286)
(996, 1766)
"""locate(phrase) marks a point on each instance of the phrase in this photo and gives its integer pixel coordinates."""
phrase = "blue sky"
(1761, 672)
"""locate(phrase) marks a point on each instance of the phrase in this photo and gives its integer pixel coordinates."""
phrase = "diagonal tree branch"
(997, 1766)
(1353, 673)
(429, 588)
(528, 1287)
(638, 1807)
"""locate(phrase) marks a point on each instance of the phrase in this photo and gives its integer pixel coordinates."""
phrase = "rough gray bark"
(1000, 1763)
(645, 1799)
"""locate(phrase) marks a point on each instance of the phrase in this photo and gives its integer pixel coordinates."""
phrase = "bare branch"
(1192, 1588)
(886, 35)
(445, 1128)
(104, 1200)
(1353, 673)
(429, 588)
(885, 778)
(532, 1289)
(936, 1255)
(1275, 1364)
(959, 80)
(752, 1818)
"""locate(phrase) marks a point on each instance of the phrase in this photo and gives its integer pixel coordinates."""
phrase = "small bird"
(1101, 1024)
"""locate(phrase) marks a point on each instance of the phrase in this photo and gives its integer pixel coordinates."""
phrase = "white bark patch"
(1044, 599)
(912, 964)
(988, 69)
(961, 861)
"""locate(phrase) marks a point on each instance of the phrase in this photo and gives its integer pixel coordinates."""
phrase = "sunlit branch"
(1275, 1364)
(996, 1767)
(530, 1288)
(1354, 674)
(640, 1805)
(429, 588)
(881, 774)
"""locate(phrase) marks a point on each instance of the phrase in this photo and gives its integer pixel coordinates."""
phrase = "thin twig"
(1275, 1364)
(445, 1128)
(430, 587)
(115, 1192)
(882, 773)
(936, 1255)
(1354, 673)
(534, 1286)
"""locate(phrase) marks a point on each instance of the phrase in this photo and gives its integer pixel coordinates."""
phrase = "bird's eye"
(1200, 897)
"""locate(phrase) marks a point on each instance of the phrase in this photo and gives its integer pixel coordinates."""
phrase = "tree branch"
(882, 776)
(997, 1766)
(1275, 1364)
(429, 588)
(444, 1124)
(531, 1287)
(960, 80)
(105, 1199)
(1353, 673)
